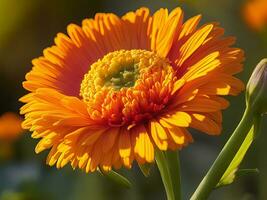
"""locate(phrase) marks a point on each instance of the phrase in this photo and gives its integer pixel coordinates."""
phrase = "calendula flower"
(255, 14)
(10, 126)
(115, 89)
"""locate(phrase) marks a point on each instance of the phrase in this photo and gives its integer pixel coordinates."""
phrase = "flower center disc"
(126, 82)
(119, 69)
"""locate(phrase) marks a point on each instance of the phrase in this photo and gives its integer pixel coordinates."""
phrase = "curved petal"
(136, 29)
(164, 30)
(142, 145)
(205, 124)
(63, 65)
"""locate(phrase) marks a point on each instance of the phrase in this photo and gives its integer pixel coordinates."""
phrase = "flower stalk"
(173, 161)
(225, 157)
(256, 101)
(169, 168)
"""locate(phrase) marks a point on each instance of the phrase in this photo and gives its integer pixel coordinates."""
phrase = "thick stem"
(165, 174)
(169, 169)
(225, 157)
(174, 166)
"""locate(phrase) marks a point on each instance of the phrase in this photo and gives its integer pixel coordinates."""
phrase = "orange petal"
(189, 26)
(136, 29)
(124, 144)
(193, 43)
(164, 30)
(159, 135)
(142, 144)
(205, 124)
(180, 119)
(110, 137)
(201, 105)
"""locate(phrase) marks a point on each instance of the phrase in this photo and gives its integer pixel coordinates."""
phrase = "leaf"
(117, 178)
(244, 172)
(232, 171)
(145, 168)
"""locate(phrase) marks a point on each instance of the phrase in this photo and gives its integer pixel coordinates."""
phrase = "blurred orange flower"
(10, 126)
(114, 90)
(10, 130)
(255, 14)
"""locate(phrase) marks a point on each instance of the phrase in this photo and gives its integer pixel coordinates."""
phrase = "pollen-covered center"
(127, 86)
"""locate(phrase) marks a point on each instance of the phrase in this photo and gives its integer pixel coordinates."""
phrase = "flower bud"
(256, 95)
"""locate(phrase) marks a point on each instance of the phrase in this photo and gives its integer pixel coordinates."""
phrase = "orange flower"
(115, 89)
(255, 14)
(10, 126)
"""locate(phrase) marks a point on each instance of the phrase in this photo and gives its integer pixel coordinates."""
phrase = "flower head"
(255, 14)
(115, 89)
(257, 88)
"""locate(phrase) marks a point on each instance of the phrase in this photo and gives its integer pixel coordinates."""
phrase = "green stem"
(225, 157)
(174, 167)
(169, 169)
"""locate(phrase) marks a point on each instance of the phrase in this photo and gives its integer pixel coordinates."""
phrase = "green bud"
(256, 95)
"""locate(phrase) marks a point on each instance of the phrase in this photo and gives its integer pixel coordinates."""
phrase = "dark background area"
(29, 26)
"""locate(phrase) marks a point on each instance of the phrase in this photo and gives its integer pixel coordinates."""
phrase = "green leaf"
(244, 172)
(117, 178)
(145, 168)
(232, 171)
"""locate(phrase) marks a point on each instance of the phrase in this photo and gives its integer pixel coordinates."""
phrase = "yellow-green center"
(125, 77)
(119, 70)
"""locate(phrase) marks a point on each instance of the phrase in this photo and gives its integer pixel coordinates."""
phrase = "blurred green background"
(28, 26)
